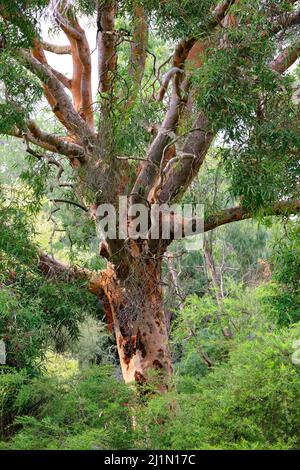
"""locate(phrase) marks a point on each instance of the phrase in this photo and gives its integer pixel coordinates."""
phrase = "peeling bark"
(135, 307)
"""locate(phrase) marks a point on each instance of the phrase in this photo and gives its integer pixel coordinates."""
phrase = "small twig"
(146, 160)
(66, 201)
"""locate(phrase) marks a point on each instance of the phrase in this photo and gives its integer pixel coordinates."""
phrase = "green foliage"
(267, 168)
(35, 312)
(90, 411)
(22, 328)
(208, 328)
(22, 91)
(95, 344)
(253, 107)
(11, 383)
(22, 26)
(173, 19)
(285, 258)
(250, 402)
(246, 244)
(282, 302)
(233, 78)
(132, 127)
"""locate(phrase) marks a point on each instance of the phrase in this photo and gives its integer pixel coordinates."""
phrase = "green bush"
(92, 410)
(250, 402)
(286, 268)
(209, 329)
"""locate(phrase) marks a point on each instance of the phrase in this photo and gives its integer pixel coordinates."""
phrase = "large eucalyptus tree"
(146, 132)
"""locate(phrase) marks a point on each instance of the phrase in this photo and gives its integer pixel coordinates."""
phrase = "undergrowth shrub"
(250, 402)
(91, 410)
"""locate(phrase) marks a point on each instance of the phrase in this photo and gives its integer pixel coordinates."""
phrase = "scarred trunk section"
(134, 309)
(141, 331)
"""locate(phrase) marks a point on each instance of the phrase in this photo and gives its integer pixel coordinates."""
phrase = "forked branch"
(72, 120)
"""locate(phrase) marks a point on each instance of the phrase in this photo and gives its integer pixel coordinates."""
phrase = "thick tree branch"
(65, 148)
(286, 59)
(39, 54)
(51, 142)
(65, 81)
(66, 26)
(235, 214)
(63, 104)
(220, 11)
(55, 48)
(52, 268)
(196, 146)
(149, 173)
(198, 143)
(106, 45)
(94, 282)
(166, 80)
(286, 21)
(226, 216)
(81, 83)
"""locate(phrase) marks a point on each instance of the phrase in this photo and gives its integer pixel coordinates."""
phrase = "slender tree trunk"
(174, 280)
(211, 268)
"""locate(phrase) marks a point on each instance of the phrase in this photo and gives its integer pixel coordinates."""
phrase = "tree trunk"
(134, 309)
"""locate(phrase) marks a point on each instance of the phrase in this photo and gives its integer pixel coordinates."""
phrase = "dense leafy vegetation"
(237, 391)
(230, 108)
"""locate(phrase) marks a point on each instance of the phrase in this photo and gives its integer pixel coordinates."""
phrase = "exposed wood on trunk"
(81, 84)
(39, 54)
(135, 304)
